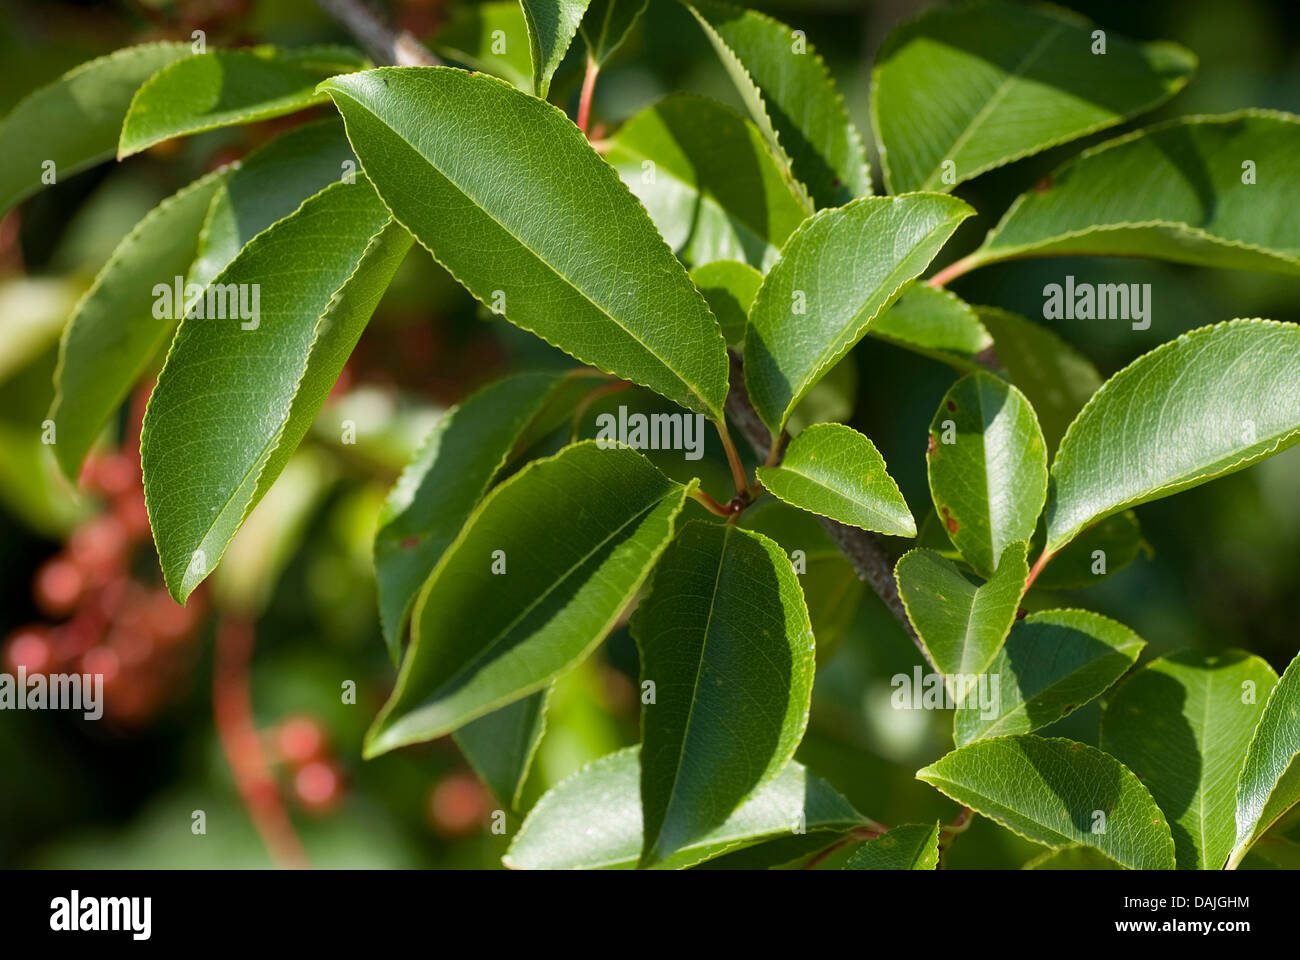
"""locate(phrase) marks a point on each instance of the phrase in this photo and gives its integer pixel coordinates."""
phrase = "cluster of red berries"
(302, 746)
(100, 618)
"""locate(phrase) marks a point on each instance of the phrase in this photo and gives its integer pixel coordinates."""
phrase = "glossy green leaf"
(610, 294)
(1096, 553)
(834, 471)
(789, 93)
(500, 746)
(1058, 792)
(489, 37)
(961, 625)
(709, 181)
(1182, 723)
(913, 846)
(74, 122)
(449, 475)
(1072, 858)
(575, 534)
(936, 324)
(1055, 378)
(237, 394)
(964, 89)
(1279, 851)
(1199, 190)
(1052, 663)
(831, 588)
(593, 819)
(228, 87)
(552, 25)
(729, 288)
(1207, 404)
(115, 330)
(607, 24)
(724, 637)
(270, 183)
(987, 464)
(1270, 778)
(837, 273)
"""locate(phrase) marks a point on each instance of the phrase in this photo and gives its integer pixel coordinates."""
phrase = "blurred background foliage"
(80, 577)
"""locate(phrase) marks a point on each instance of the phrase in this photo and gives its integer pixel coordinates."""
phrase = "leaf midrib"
(1012, 78)
(695, 686)
(505, 631)
(511, 233)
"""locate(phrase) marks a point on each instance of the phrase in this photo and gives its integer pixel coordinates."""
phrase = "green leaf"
(1072, 858)
(270, 183)
(500, 746)
(237, 395)
(228, 87)
(593, 819)
(964, 89)
(987, 463)
(74, 122)
(913, 846)
(610, 294)
(729, 288)
(576, 534)
(724, 637)
(449, 475)
(838, 272)
(1279, 851)
(834, 471)
(114, 331)
(709, 181)
(1098, 552)
(1055, 378)
(1210, 403)
(1058, 792)
(491, 38)
(789, 93)
(961, 625)
(551, 28)
(607, 24)
(831, 588)
(936, 324)
(1053, 662)
(1270, 778)
(1182, 723)
(1177, 191)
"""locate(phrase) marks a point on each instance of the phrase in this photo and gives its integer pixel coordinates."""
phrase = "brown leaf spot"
(952, 405)
(949, 520)
(410, 543)
(930, 445)
(1043, 185)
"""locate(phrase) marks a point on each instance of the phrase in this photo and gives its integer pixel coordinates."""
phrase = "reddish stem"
(1037, 568)
(232, 710)
(953, 271)
(584, 100)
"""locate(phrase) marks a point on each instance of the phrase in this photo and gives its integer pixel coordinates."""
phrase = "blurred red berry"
(29, 648)
(131, 512)
(112, 474)
(99, 547)
(318, 786)
(102, 661)
(300, 740)
(58, 587)
(458, 805)
(165, 618)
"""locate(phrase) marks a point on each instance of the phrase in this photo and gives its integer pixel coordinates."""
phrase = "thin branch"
(584, 101)
(232, 711)
(864, 550)
(383, 44)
